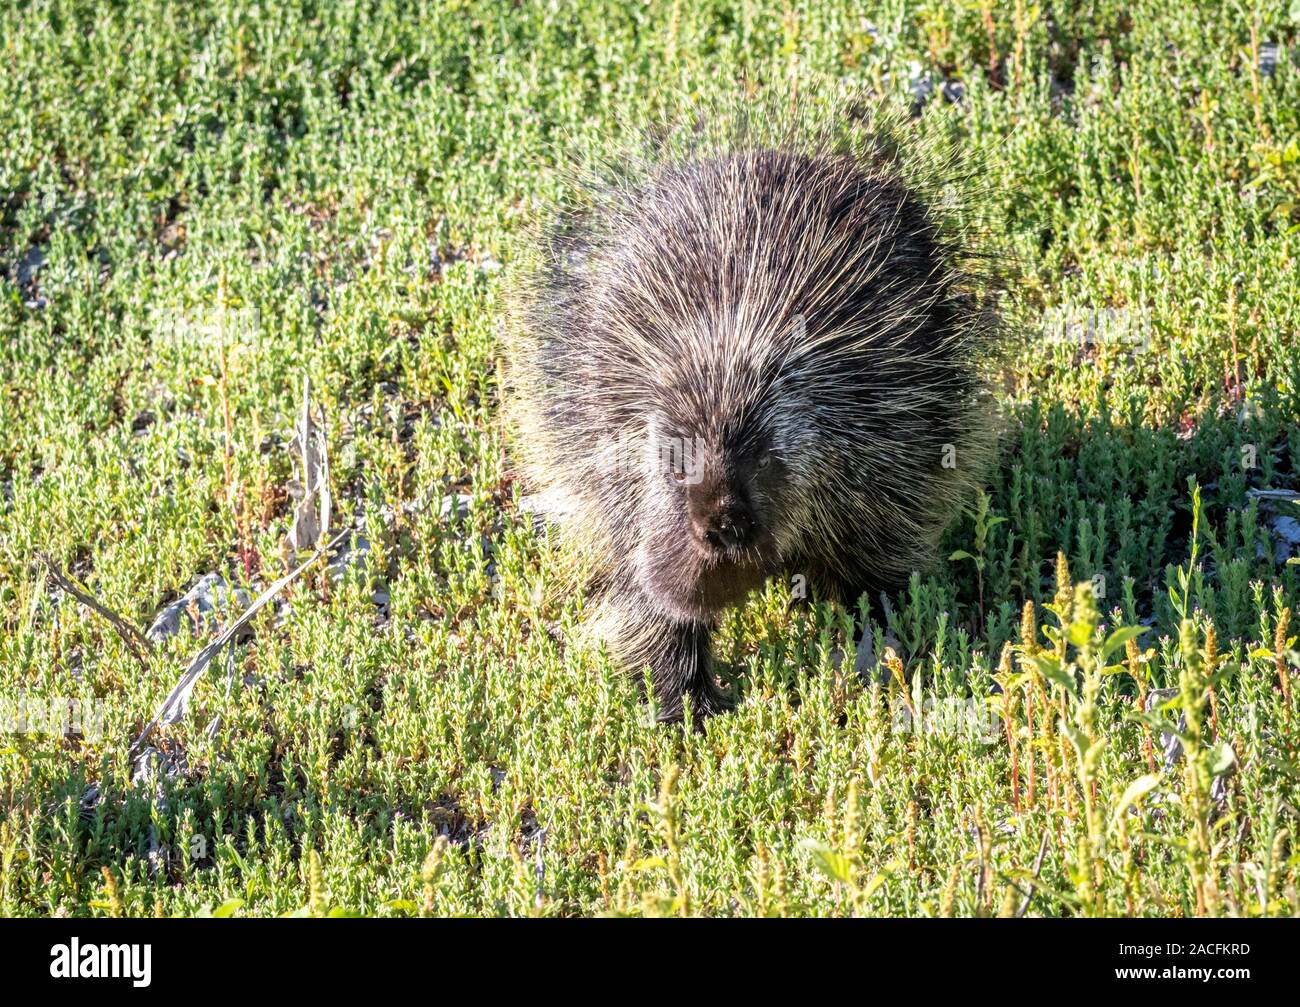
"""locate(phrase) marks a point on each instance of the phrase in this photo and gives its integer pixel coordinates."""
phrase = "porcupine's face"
(709, 515)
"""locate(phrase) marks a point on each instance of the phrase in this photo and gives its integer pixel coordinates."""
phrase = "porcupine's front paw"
(676, 651)
(684, 667)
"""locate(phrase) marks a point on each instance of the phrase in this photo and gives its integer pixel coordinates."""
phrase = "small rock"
(1169, 743)
(1172, 748)
(210, 597)
(456, 505)
(90, 800)
(355, 553)
(31, 265)
(865, 658)
(921, 87)
(953, 91)
(1268, 54)
(27, 269)
(1288, 530)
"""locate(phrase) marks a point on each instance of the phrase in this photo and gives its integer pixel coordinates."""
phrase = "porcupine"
(753, 359)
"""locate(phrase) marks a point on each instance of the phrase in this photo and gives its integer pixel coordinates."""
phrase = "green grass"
(208, 203)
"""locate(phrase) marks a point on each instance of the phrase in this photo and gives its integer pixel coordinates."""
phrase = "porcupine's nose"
(728, 527)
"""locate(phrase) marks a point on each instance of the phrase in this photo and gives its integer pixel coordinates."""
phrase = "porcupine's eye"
(677, 466)
(678, 455)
